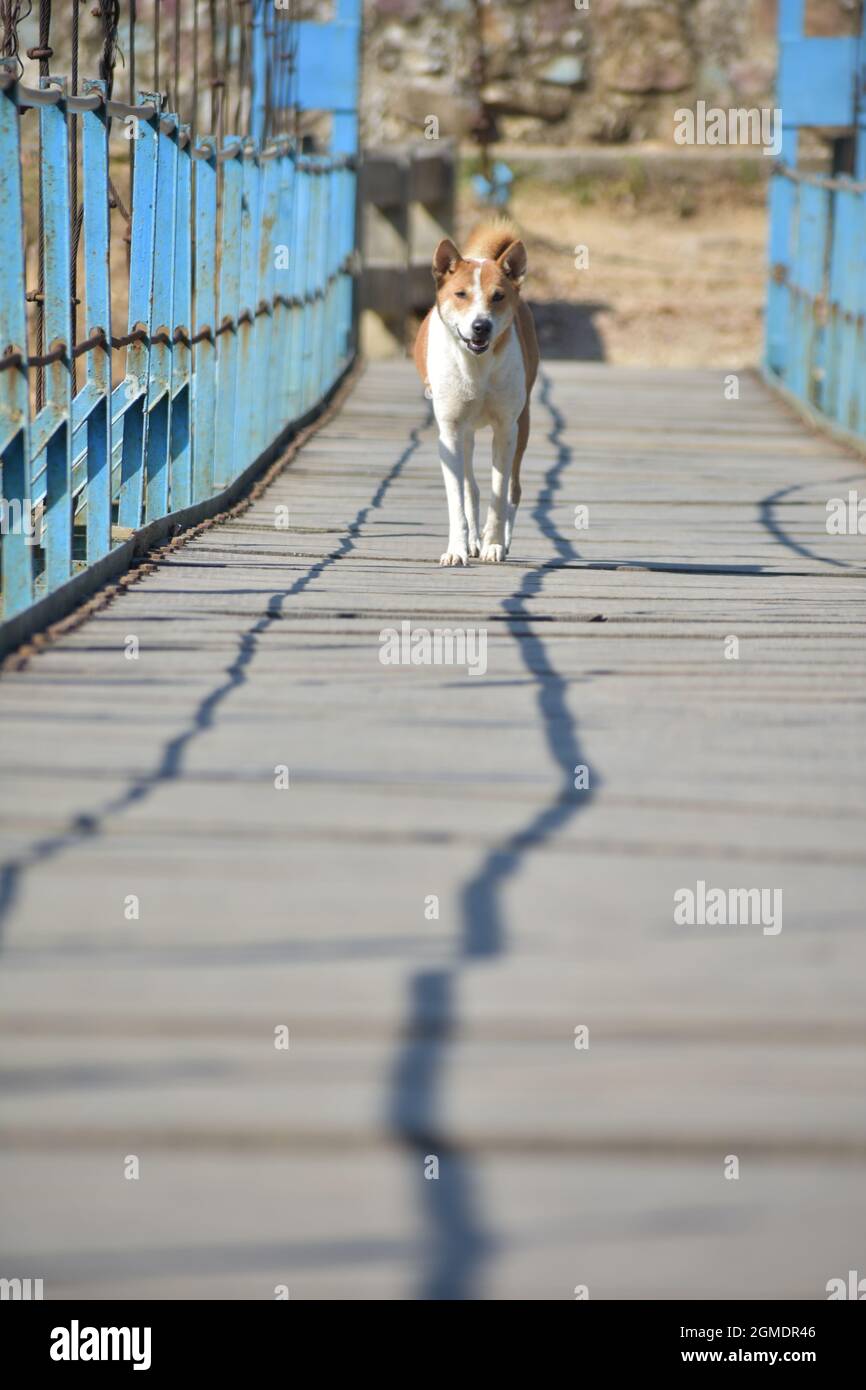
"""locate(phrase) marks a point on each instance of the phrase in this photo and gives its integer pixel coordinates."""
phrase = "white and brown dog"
(477, 352)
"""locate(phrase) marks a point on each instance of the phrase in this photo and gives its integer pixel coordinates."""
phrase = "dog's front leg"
(471, 497)
(452, 441)
(504, 443)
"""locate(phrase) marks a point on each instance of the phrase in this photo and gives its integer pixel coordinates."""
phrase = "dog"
(477, 355)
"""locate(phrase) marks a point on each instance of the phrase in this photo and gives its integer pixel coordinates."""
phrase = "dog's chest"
(480, 391)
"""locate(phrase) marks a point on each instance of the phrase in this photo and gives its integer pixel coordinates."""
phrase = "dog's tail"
(490, 238)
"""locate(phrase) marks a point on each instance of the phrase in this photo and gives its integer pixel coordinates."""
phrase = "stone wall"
(565, 71)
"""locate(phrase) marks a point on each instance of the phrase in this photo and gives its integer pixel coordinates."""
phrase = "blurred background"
(577, 103)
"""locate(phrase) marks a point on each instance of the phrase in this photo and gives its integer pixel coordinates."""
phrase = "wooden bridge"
(528, 966)
(477, 961)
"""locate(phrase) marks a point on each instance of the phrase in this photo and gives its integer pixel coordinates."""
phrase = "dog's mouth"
(476, 345)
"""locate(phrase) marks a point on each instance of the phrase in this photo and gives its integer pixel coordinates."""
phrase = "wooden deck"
(412, 1036)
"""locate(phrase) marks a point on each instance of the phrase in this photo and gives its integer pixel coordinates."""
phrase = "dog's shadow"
(566, 330)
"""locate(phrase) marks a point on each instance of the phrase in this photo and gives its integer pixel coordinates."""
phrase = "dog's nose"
(481, 327)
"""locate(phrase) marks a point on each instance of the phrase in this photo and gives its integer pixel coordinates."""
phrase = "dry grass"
(676, 277)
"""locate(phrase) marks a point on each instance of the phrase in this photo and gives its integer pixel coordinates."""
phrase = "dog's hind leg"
(514, 481)
(471, 498)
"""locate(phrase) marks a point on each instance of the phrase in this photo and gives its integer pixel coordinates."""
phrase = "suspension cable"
(10, 18)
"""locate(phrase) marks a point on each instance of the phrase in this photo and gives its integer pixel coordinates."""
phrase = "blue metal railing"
(240, 303)
(816, 303)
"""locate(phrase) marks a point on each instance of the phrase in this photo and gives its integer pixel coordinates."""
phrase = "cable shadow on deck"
(90, 824)
(770, 523)
(459, 1238)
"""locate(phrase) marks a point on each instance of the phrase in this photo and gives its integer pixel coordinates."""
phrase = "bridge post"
(17, 551)
(55, 420)
(180, 452)
(204, 376)
(283, 329)
(134, 389)
(783, 197)
(229, 304)
(159, 378)
(407, 206)
(97, 292)
(260, 75)
(263, 336)
(860, 117)
(250, 228)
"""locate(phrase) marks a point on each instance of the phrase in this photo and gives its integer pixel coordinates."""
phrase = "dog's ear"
(445, 258)
(513, 263)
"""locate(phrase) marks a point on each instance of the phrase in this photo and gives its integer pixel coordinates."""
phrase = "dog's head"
(477, 299)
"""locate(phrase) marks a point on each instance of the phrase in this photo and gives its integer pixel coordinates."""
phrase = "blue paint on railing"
(135, 388)
(204, 376)
(180, 445)
(240, 304)
(816, 300)
(96, 414)
(52, 427)
(17, 560)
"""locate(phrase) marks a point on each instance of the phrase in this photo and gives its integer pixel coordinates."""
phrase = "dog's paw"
(474, 547)
(455, 557)
(493, 554)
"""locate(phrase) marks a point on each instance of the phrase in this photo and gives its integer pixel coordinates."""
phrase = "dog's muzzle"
(480, 340)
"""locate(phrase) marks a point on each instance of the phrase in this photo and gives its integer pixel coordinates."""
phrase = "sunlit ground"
(675, 277)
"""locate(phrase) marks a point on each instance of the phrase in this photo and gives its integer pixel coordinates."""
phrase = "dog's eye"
(498, 297)
(459, 294)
